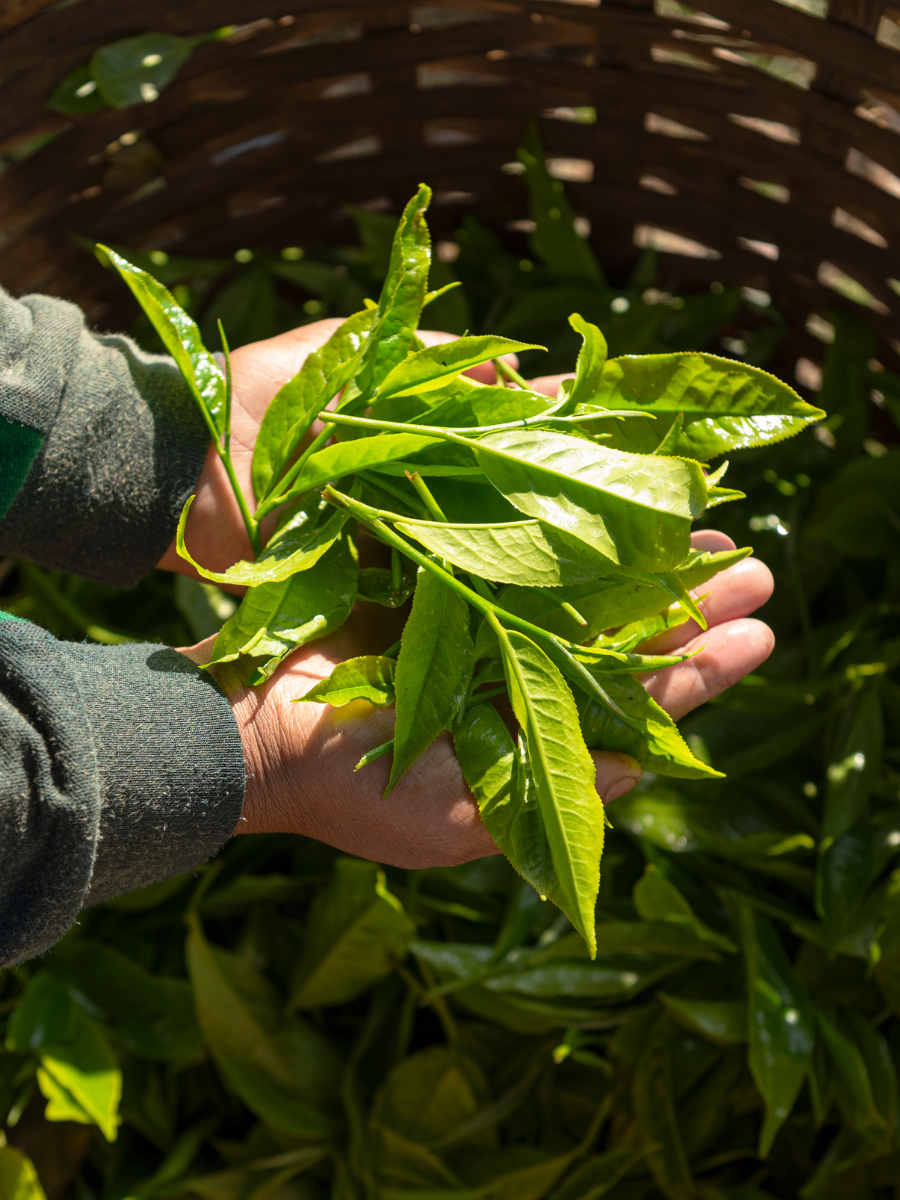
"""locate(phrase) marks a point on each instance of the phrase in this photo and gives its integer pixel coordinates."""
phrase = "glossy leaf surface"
(433, 366)
(644, 730)
(135, 71)
(528, 553)
(726, 405)
(614, 600)
(781, 1029)
(346, 458)
(181, 338)
(563, 774)
(298, 544)
(369, 678)
(618, 504)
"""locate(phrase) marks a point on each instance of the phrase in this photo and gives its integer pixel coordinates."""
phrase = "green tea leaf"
(634, 510)
(563, 773)
(500, 778)
(151, 1015)
(301, 539)
(276, 618)
(181, 338)
(742, 829)
(376, 585)
(434, 668)
(346, 458)
(370, 678)
(616, 599)
(357, 930)
(286, 1072)
(135, 71)
(591, 361)
(854, 1093)
(856, 765)
(657, 899)
(78, 1074)
(434, 366)
(461, 402)
(18, 1178)
(400, 304)
(528, 553)
(782, 1024)
(846, 868)
(727, 405)
(647, 732)
(77, 93)
(722, 1021)
(431, 1094)
(293, 410)
(653, 1096)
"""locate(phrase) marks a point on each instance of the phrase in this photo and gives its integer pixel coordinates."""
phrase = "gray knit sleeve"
(119, 766)
(116, 444)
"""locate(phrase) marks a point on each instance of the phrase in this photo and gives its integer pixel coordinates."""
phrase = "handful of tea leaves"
(542, 542)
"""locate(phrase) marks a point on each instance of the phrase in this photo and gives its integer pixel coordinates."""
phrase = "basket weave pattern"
(782, 179)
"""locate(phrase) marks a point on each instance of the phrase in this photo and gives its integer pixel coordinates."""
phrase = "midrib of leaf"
(537, 742)
(437, 628)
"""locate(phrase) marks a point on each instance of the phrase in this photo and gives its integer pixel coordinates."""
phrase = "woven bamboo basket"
(753, 143)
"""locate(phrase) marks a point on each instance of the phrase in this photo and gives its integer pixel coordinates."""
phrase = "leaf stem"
(425, 492)
(272, 502)
(573, 612)
(373, 755)
(459, 435)
(250, 522)
(372, 518)
(507, 372)
(226, 353)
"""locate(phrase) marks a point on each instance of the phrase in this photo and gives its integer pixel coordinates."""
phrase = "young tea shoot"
(541, 541)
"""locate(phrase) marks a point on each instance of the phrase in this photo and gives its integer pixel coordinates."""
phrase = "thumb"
(616, 774)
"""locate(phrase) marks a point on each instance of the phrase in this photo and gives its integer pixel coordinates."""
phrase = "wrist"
(261, 740)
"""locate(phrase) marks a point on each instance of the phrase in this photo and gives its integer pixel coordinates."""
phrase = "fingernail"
(620, 787)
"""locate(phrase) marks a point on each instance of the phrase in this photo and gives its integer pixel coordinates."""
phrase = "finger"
(548, 384)
(616, 774)
(712, 541)
(484, 372)
(733, 594)
(729, 652)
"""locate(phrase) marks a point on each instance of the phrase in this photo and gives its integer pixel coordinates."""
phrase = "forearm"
(121, 766)
(102, 444)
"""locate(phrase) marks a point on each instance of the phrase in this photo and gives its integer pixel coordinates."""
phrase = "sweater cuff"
(169, 759)
(106, 439)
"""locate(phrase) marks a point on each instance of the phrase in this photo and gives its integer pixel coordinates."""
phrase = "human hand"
(215, 530)
(300, 757)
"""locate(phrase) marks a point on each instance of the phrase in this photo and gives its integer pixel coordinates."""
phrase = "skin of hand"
(300, 757)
